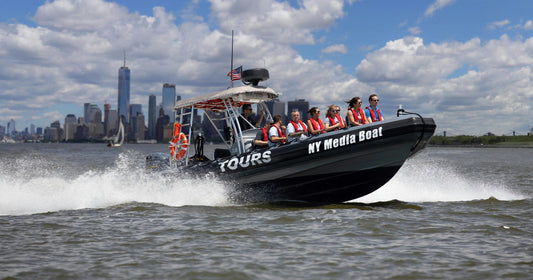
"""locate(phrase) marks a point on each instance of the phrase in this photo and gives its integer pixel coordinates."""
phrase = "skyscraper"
(56, 133)
(276, 107)
(140, 128)
(71, 118)
(169, 97)
(11, 127)
(135, 109)
(152, 116)
(112, 122)
(70, 126)
(124, 92)
(107, 107)
(86, 107)
(92, 113)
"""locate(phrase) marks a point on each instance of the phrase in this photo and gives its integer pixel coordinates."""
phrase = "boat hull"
(330, 168)
(338, 173)
(337, 187)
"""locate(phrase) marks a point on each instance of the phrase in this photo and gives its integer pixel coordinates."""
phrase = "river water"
(85, 211)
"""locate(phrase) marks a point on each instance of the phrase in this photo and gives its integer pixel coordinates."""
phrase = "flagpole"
(231, 68)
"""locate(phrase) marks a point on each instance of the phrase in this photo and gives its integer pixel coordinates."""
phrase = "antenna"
(124, 58)
(231, 67)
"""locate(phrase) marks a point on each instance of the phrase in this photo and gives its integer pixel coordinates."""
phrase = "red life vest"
(317, 126)
(296, 126)
(265, 135)
(265, 138)
(380, 118)
(361, 113)
(279, 133)
(341, 121)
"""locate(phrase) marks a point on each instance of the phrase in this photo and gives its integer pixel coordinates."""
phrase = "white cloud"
(73, 54)
(496, 81)
(54, 115)
(340, 48)
(415, 30)
(499, 24)
(81, 15)
(406, 61)
(528, 25)
(437, 5)
(277, 21)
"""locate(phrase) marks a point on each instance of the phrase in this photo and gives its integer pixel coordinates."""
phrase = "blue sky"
(466, 63)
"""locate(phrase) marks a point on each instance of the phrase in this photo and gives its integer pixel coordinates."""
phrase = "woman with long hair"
(356, 116)
(333, 119)
(315, 124)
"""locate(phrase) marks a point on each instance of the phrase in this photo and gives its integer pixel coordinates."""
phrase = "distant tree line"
(481, 140)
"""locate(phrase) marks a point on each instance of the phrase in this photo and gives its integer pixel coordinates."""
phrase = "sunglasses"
(376, 100)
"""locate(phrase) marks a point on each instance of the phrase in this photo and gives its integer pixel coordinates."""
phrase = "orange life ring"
(179, 142)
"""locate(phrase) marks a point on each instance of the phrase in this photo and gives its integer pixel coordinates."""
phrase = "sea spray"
(34, 185)
(424, 179)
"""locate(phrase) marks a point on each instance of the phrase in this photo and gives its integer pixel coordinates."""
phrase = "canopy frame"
(227, 101)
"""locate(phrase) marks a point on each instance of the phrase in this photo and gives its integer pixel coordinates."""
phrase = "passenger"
(245, 119)
(261, 138)
(333, 120)
(355, 116)
(372, 112)
(296, 129)
(315, 124)
(277, 132)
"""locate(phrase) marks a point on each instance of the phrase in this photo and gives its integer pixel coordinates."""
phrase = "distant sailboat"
(118, 139)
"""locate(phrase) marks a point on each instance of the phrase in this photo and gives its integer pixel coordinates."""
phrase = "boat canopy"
(238, 96)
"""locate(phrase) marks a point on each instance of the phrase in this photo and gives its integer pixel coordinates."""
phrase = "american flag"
(235, 74)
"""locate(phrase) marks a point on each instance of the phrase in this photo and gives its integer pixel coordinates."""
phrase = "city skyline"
(168, 99)
(92, 115)
(464, 63)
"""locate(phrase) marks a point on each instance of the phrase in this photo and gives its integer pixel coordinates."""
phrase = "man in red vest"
(296, 129)
(372, 112)
(278, 132)
(261, 138)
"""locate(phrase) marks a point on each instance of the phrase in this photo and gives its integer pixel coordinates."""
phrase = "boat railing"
(233, 116)
(187, 112)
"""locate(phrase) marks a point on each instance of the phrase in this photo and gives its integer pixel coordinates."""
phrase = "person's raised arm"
(258, 123)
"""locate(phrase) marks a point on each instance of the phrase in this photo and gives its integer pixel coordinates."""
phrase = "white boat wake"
(36, 189)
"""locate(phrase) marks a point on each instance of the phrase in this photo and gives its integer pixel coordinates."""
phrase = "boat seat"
(248, 137)
(220, 153)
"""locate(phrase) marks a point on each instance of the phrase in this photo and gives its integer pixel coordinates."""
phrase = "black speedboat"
(333, 167)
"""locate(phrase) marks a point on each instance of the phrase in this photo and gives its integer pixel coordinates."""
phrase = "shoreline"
(483, 146)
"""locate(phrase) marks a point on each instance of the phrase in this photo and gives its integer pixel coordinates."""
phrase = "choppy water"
(85, 211)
